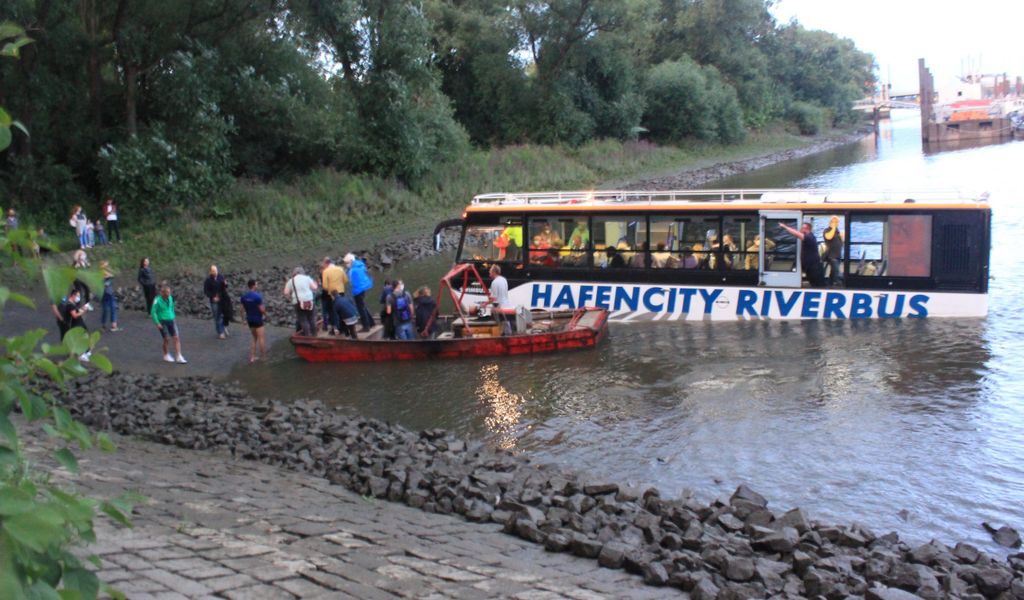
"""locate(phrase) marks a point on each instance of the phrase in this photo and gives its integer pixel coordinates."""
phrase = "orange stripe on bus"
(820, 207)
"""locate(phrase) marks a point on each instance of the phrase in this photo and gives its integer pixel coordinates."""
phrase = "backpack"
(403, 312)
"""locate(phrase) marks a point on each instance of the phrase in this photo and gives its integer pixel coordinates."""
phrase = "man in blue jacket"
(360, 281)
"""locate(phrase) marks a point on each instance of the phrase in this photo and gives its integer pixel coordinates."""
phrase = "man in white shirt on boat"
(504, 309)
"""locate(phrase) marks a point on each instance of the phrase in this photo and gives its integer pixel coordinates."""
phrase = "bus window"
(559, 241)
(620, 242)
(891, 246)
(687, 241)
(494, 242)
(739, 248)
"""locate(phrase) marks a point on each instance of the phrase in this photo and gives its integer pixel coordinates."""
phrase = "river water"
(913, 425)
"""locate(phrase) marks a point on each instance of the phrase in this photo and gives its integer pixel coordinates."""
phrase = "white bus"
(725, 255)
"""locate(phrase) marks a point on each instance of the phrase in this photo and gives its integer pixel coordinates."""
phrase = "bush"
(687, 100)
(158, 175)
(810, 119)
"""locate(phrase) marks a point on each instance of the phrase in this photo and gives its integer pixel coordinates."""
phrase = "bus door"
(778, 257)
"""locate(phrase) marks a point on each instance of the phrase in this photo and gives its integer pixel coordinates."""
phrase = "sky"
(949, 35)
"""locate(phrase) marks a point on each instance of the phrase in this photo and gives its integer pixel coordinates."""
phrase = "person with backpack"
(400, 308)
(361, 283)
(385, 320)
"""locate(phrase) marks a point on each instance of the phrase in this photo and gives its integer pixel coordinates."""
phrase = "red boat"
(461, 335)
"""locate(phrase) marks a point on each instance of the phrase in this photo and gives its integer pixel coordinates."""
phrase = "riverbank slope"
(254, 225)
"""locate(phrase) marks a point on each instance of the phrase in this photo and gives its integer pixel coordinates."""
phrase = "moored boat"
(462, 335)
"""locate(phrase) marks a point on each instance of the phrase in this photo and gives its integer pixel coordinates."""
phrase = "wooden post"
(927, 87)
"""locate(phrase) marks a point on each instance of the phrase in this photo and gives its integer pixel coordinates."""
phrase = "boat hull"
(323, 349)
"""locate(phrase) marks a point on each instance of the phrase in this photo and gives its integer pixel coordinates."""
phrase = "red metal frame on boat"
(465, 270)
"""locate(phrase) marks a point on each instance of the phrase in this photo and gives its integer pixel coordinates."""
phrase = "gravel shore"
(734, 547)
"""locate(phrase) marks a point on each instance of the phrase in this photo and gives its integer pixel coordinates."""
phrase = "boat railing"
(773, 196)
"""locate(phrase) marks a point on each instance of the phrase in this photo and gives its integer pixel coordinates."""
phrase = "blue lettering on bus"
(785, 306)
(749, 303)
(766, 304)
(917, 305)
(809, 310)
(860, 306)
(883, 305)
(745, 303)
(709, 299)
(586, 293)
(628, 296)
(687, 294)
(833, 309)
(541, 295)
(648, 299)
(564, 299)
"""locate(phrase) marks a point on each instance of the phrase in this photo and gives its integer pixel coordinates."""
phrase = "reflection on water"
(505, 408)
(911, 425)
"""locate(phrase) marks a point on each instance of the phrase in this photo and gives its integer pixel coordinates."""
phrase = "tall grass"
(331, 212)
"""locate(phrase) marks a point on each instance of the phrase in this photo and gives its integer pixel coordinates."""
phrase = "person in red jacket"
(110, 216)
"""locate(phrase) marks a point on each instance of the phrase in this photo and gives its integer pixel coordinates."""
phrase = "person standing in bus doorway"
(834, 251)
(810, 260)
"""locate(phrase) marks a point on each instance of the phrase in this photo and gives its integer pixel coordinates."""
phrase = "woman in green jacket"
(162, 312)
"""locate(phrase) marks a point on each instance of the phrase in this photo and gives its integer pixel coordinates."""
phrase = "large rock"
(888, 593)
(612, 555)
(745, 493)
(994, 581)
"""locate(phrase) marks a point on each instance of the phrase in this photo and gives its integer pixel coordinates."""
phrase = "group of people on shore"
(93, 232)
(340, 292)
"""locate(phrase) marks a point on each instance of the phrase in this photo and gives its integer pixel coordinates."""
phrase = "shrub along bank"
(326, 211)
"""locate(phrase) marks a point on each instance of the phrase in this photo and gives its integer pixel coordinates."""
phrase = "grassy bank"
(257, 223)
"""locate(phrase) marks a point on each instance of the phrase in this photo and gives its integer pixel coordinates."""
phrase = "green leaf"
(10, 587)
(5, 118)
(115, 513)
(5, 137)
(36, 529)
(22, 300)
(104, 442)
(112, 592)
(83, 581)
(8, 457)
(41, 590)
(66, 459)
(15, 501)
(102, 363)
(8, 431)
(58, 281)
(9, 29)
(52, 370)
(77, 340)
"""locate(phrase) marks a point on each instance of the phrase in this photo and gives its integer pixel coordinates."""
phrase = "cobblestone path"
(216, 527)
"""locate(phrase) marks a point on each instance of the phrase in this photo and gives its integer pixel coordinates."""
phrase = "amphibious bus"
(723, 254)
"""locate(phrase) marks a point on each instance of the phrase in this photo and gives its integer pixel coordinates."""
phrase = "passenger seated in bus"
(615, 260)
(750, 263)
(703, 260)
(539, 249)
(580, 236)
(689, 260)
(661, 257)
(551, 258)
(728, 247)
(638, 259)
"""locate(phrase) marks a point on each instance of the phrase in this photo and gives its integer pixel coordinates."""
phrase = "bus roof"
(800, 199)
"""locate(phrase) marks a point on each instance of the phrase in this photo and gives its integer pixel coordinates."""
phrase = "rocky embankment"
(684, 180)
(732, 548)
(188, 290)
